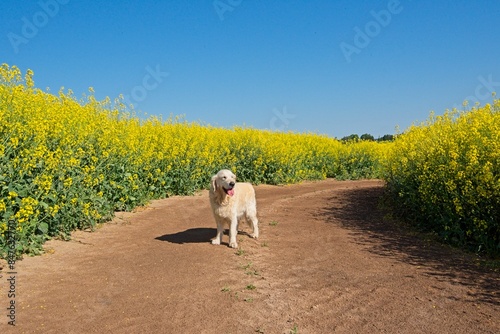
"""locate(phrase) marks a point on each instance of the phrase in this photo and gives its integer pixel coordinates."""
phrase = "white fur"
(229, 210)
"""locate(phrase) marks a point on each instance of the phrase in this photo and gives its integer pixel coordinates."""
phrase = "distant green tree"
(367, 136)
(386, 138)
(353, 137)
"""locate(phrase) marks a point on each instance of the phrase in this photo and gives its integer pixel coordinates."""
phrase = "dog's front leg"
(220, 231)
(233, 232)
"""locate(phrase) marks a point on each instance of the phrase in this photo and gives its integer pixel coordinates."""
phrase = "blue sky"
(329, 67)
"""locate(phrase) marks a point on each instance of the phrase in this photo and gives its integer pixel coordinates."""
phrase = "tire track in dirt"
(331, 263)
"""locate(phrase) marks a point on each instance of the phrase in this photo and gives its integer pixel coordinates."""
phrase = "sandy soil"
(327, 261)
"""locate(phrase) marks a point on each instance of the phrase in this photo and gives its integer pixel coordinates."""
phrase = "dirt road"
(326, 262)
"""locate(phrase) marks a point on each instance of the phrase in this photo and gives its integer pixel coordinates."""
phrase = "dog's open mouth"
(230, 191)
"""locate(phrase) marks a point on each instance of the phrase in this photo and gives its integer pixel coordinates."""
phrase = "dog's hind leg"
(252, 217)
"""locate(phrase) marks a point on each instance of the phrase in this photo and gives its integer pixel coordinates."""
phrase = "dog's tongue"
(230, 192)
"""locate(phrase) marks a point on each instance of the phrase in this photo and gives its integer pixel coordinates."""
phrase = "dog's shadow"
(190, 236)
(193, 236)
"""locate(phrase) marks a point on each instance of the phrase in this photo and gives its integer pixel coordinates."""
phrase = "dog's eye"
(223, 177)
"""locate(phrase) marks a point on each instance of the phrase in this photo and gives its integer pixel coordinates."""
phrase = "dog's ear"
(214, 182)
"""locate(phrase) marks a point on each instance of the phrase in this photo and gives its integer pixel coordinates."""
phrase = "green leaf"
(43, 228)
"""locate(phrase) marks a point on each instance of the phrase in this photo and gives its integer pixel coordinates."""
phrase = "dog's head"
(223, 182)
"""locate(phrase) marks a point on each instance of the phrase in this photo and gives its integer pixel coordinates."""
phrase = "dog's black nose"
(231, 184)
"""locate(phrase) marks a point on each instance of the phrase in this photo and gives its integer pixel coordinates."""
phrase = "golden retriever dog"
(231, 202)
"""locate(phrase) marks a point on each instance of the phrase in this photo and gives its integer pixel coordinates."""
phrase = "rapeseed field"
(69, 163)
(444, 176)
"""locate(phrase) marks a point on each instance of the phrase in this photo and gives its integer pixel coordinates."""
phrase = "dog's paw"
(255, 235)
(216, 241)
(233, 245)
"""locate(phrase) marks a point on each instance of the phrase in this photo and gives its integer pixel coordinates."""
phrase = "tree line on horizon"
(366, 136)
